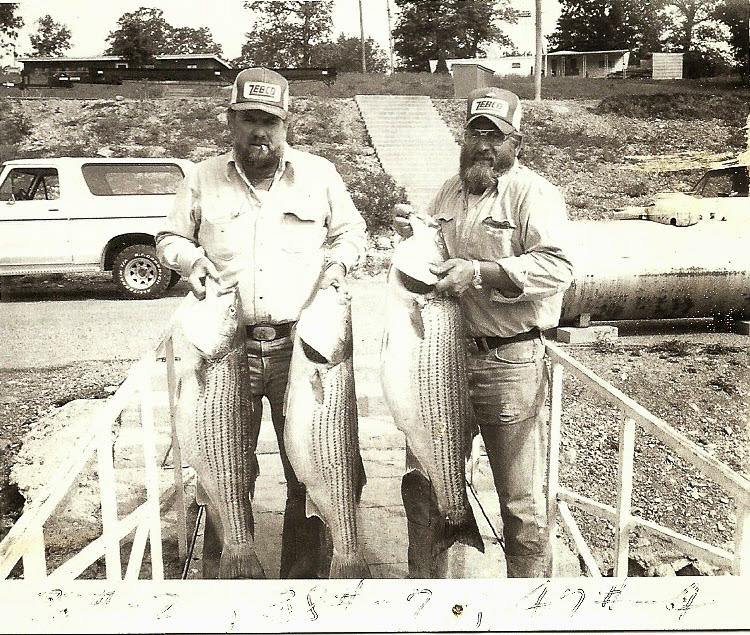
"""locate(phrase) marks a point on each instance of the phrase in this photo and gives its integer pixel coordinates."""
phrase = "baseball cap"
(500, 106)
(260, 89)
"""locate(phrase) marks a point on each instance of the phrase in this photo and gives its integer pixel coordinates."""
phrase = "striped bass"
(320, 432)
(214, 408)
(425, 379)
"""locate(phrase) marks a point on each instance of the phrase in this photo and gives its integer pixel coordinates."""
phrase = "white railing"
(633, 414)
(25, 541)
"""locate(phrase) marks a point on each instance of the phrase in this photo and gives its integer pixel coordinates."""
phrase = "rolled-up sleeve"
(544, 267)
(347, 237)
(177, 244)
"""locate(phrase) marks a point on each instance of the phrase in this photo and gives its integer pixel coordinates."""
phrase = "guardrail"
(633, 414)
(25, 542)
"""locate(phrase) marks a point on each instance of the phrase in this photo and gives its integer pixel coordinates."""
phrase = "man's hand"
(334, 276)
(456, 276)
(202, 268)
(401, 225)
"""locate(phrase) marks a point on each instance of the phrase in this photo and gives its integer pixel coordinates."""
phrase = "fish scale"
(424, 377)
(320, 432)
(214, 412)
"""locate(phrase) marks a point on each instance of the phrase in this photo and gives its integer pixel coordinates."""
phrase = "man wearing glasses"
(503, 225)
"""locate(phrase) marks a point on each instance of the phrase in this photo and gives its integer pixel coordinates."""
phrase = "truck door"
(33, 224)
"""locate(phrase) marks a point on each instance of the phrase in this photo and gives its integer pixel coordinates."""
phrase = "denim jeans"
(306, 548)
(508, 388)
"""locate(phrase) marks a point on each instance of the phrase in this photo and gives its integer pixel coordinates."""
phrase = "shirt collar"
(288, 156)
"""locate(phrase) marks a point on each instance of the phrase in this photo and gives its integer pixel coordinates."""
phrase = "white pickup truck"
(88, 214)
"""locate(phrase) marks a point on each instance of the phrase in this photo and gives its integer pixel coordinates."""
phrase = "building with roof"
(113, 69)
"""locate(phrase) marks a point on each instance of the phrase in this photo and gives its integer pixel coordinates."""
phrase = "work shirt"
(272, 244)
(520, 224)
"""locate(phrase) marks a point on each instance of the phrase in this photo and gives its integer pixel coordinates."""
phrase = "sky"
(90, 21)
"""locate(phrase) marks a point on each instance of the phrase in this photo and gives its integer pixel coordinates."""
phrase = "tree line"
(713, 34)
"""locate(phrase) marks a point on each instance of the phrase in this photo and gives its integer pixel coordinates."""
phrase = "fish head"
(414, 256)
(325, 327)
(212, 325)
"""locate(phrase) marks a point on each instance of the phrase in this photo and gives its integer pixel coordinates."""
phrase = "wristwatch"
(476, 281)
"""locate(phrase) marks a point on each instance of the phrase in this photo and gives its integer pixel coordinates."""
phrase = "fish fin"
(415, 317)
(349, 566)
(240, 562)
(360, 478)
(311, 509)
(464, 531)
(317, 386)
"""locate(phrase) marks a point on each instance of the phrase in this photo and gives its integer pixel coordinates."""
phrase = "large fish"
(424, 376)
(320, 432)
(214, 408)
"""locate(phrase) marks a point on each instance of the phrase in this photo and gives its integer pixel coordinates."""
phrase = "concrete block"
(573, 335)
(742, 327)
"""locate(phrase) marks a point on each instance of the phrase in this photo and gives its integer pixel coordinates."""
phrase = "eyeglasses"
(494, 136)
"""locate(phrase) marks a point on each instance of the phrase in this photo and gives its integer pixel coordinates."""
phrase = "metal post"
(624, 494)
(553, 459)
(176, 451)
(538, 56)
(362, 37)
(390, 35)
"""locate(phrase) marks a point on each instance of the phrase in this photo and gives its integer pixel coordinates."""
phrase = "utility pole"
(390, 35)
(538, 58)
(362, 37)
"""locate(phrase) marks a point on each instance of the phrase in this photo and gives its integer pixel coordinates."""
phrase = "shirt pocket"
(301, 231)
(496, 238)
(224, 236)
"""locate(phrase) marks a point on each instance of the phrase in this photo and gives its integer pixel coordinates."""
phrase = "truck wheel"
(139, 274)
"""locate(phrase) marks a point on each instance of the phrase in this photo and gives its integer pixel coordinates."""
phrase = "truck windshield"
(117, 179)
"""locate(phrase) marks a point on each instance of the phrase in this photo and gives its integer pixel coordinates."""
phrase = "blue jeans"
(508, 388)
(306, 548)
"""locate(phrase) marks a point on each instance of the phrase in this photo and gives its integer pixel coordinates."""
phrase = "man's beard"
(478, 175)
(257, 161)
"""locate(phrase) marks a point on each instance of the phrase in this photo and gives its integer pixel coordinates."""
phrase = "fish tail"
(465, 531)
(349, 566)
(240, 562)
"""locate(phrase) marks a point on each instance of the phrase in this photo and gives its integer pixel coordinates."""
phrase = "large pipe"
(640, 269)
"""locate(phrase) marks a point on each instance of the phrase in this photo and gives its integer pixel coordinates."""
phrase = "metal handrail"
(25, 540)
(636, 415)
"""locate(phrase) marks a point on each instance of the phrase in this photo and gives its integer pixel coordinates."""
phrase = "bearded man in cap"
(257, 218)
(503, 226)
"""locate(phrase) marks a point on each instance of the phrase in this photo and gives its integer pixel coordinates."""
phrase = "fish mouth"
(313, 355)
(413, 285)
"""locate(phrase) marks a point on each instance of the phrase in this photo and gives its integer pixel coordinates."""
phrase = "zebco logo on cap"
(261, 91)
(489, 106)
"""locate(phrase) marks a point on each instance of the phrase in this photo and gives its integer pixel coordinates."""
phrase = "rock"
(383, 242)
(105, 152)
(661, 571)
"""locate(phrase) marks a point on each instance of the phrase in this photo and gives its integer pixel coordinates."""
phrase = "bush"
(13, 127)
(375, 195)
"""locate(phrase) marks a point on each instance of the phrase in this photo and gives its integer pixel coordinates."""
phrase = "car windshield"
(725, 182)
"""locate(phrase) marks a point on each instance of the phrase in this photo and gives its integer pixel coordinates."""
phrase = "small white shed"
(666, 65)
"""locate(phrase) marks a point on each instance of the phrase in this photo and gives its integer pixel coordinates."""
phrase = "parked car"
(88, 215)
(721, 194)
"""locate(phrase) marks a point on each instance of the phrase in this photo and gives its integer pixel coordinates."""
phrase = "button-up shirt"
(272, 244)
(519, 225)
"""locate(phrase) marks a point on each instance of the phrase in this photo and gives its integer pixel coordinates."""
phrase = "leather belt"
(490, 342)
(269, 332)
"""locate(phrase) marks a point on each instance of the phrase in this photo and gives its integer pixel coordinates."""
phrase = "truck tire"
(139, 274)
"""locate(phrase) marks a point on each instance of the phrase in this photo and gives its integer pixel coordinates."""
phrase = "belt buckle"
(264, 333)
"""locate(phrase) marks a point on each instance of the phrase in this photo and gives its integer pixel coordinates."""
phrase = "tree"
(286, 33)
(52, 38)
(145, 33)
(141, 35)
(10, 24)
(442, 29)
(736, 15)
(591, 25)
(345, 55)
(185, 40)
